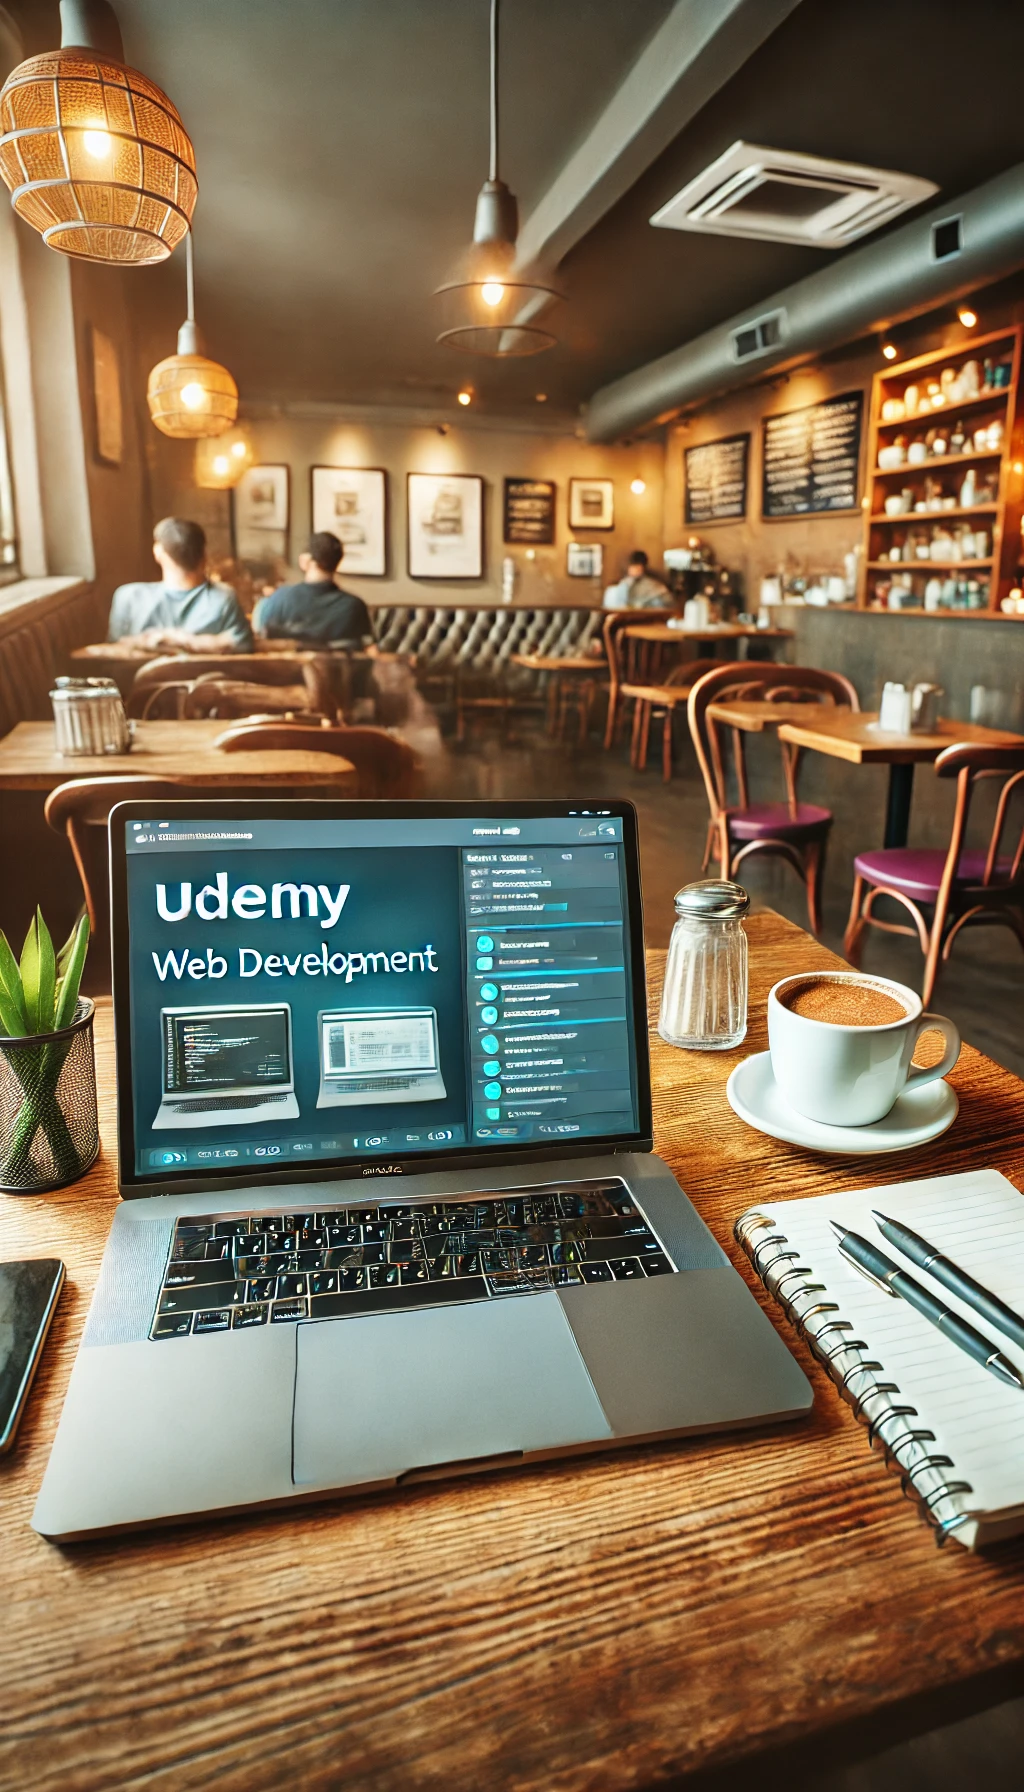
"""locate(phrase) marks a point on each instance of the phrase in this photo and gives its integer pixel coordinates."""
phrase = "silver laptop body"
(353, 1298)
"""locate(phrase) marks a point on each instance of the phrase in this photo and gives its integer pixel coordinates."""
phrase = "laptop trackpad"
(378, 1396)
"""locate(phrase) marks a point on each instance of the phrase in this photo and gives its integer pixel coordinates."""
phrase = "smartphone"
(28, 1300)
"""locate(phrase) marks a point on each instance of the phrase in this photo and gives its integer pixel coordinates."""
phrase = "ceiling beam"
(697, 48)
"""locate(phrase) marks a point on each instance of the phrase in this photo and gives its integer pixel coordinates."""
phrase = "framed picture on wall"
(529, 512)
(591, 504)
(106, 394)
(446, 525)
(351, 502)
(260, 512)
(584, 559)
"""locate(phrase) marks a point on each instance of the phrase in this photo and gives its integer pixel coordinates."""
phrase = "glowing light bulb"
(97, 143)
(492, 292)
(465, 397)
(638, 487)
(967, 317)
(193, 396)
(221, 464)
(542, 398)
(889, 350)
(238, 450)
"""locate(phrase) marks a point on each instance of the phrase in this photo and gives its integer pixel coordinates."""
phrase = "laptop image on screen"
(391, 1208)
(373, 1055)
(226, 1067)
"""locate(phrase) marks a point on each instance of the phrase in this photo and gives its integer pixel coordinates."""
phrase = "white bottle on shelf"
(967, 490)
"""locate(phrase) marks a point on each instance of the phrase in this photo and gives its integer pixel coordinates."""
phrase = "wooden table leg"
(897, 806)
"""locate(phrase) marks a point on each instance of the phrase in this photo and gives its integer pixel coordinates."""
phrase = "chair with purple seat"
(959, 886)
(795, 831)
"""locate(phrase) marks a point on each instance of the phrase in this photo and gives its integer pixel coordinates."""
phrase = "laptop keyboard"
(223, 1104)
(235, 1271)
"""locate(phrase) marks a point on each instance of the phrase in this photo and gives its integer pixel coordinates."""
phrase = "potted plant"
(48, 1124)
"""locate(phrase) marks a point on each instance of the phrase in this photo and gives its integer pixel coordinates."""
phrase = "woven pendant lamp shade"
(96, 158)
(190, 396)
(220, 463)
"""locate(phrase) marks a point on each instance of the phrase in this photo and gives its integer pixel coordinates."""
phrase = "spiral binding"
(875, 1402)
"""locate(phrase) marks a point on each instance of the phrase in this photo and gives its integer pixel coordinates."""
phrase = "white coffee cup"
(851, 1075)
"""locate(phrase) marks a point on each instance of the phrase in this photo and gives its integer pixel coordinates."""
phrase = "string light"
(638, 487)
(465, 397)
(967, 317)
(889, 350)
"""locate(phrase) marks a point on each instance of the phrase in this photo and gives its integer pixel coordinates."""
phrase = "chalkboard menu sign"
(810, 458)
(716, 480)
(530, 511)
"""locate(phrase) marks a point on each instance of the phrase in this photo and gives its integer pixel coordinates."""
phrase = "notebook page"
(977, 1219)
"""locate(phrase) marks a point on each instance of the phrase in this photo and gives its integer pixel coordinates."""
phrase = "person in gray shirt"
(183, 609)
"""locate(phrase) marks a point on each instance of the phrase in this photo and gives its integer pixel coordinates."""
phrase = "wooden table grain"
(857, 738)
(612, 1621)
(185, 752)
(710, 631)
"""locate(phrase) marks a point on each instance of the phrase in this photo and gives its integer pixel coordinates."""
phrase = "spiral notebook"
(954, 1433)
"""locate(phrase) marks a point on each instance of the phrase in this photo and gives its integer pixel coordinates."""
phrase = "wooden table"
(589, 668)
(607, 1622)
(181, 751)
(859, 740)
(646, 641)
(711, 631)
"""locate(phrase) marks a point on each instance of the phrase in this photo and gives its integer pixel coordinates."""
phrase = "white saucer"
(919, 1115)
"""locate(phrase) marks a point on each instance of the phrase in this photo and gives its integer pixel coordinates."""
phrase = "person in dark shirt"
(316, 610)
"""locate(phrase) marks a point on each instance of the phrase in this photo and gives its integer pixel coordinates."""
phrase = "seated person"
(639, 590)
(316, 610)
(184, 609)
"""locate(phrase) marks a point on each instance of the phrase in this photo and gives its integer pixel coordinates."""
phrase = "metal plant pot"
(49, 1130)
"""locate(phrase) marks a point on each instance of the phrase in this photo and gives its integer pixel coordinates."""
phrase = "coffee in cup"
(843, 1043)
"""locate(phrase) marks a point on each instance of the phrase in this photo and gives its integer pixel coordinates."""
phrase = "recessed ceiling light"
(889, 350)
(781, 196)
(967, 317)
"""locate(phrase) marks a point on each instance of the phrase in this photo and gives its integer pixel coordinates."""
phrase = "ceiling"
(341, 144)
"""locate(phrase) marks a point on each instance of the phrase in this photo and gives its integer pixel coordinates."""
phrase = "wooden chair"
(166, 683)
(797, 832)
(80, 810)
(959, 887)
(386, 766)
(650, 700)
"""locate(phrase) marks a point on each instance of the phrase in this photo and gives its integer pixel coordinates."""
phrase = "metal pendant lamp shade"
(489, 306)
(94, 153)
(190, 396)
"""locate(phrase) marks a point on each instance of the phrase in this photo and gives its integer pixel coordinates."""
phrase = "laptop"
(379, 1055)
(231, 1066)
(340, 1299)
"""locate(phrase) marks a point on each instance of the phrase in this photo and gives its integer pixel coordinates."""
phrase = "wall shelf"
(996, 573)
(994, 395)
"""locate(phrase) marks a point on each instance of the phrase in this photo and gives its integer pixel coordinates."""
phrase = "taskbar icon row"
(179, 1157)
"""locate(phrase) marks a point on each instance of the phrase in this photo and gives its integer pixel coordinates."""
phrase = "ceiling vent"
(759, 336)
(782, 197)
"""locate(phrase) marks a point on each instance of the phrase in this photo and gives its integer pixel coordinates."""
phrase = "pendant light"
(187, 394)
(221, 460)
(490, 307)
(95, 155)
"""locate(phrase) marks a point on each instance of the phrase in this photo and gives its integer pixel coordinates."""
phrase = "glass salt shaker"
(704, 1001)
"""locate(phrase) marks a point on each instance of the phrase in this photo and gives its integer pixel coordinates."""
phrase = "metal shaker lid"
(713, 899)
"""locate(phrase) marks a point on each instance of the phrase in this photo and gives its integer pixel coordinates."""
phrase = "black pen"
(952, 1277)
(893, 1280)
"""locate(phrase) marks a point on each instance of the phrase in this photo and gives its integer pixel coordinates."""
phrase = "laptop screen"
(310, 984)
(206, 1049)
